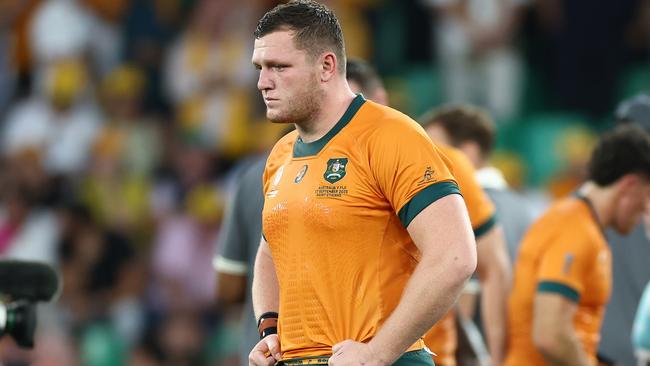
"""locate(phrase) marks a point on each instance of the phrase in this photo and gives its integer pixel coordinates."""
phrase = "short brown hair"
(316, 28)
(464, 123)
(362, 73)
(623, 150)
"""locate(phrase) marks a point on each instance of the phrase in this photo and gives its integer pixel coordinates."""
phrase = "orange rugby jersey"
(563, 252)
(334, 217)
(442, 338)
(480, 208)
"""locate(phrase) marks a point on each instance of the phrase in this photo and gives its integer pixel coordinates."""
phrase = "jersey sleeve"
(410, 171)
(482, 213)
(270, 171)
(564, 266)
(641, 328)
(233, 250)
(265, 180)
(274, 167)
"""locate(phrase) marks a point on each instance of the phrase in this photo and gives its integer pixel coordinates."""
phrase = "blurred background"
(123, 123)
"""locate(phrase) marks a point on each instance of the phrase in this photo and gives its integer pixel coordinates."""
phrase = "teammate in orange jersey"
(494, 267)
(563, 271)
(493, 270)
(366, 241)
(363, 79)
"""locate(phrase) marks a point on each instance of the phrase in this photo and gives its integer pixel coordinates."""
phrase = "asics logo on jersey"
(301, 174)
(568, 261)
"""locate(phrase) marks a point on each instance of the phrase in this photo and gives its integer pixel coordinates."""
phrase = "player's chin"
(275, 117)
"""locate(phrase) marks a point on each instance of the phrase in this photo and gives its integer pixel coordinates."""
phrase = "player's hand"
(351, 353)
(266, 352)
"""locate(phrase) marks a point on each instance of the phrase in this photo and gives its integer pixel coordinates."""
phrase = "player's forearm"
(493, 311)
(495, 276)
(564, 349)
(266, 291)
(430, 292)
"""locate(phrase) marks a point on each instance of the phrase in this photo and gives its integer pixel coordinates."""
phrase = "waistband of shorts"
(316, 360)
(322, 360)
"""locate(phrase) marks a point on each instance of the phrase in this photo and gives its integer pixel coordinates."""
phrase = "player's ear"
(628, 180)
(329, 66)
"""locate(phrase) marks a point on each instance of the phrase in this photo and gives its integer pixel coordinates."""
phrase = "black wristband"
(267, 324)
(268, 331)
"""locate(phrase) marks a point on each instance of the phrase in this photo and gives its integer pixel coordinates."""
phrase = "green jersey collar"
(304, 149)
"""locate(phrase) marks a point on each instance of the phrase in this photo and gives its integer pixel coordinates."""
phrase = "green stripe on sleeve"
(424, 198)
(559, 288)
(484, 228)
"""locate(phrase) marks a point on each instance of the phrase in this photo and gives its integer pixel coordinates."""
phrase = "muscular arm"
(266, 292)
(495, 275)
(553, 332)
(444, 236)
(266, 295)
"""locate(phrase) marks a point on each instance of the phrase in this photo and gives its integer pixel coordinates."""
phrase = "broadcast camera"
(22, 285)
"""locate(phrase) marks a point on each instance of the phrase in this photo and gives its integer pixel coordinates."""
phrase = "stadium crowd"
(125, 127)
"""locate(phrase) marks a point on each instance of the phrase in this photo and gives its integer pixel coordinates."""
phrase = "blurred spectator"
(27, 171)
(9, 11)
(209, 75)
(630, 255)
(60, 29)
(27, 232)
(574, 147)
(584, 52)
(102, 277)
(133, 134)
(187, 209)
(124, 157)
(637, 33)
(150, 26)
(476, 54)
(143, 356)
(107, 38)
(83, 29)
(185, 338)
(181, 339)
(352, 15)
(635, 110)
(61, 122)
(21, 53)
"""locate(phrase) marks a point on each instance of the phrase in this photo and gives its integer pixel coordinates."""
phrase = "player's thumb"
(338, 346)
(273, 344)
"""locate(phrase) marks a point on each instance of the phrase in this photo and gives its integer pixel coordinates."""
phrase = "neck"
(332, 108)
(602, 199)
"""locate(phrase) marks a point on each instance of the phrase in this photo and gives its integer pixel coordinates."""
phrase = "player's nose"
(264, 81)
